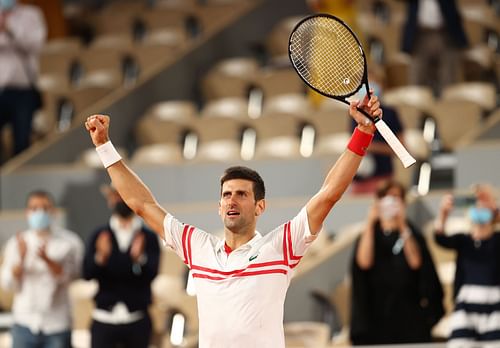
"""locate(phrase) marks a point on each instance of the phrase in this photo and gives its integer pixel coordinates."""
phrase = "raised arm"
(445, 208)
(130, 187)
(341, 174)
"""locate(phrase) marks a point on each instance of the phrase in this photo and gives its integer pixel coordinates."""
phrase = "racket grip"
(396, 146)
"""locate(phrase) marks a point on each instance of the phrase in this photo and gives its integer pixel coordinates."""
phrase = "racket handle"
(394, 143)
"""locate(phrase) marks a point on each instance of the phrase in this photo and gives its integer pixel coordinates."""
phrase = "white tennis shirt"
(241, 295)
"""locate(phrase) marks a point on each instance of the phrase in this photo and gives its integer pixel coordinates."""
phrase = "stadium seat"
(215, 145)
(277, 137)
(232, 107)
(420, 97)
(161, 153)
(454, 119)
(481, 93)
(292, 104)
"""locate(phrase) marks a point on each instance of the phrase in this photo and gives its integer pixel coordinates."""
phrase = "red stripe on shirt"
(236, 271)
(190, 234)
(290, 247)
(269, 263)
(244, 274)
(285, 251)
(184, 235)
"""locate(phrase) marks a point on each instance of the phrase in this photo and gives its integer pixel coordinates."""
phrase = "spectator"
(123, 257)
(241, 280)
(22, 33)
(39, 265)
(378, 164)
(435, 36)
(396, 294)
(477, 278)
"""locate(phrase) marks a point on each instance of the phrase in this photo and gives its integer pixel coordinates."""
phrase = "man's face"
(39, 203)
(237, 207)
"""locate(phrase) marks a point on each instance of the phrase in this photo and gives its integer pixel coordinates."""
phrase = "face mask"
(480, 216)
(7, 4)
(121, 209)
(39, 220)
(389, 207)
(377, 90)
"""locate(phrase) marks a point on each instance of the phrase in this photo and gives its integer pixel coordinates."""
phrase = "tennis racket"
(328, 57)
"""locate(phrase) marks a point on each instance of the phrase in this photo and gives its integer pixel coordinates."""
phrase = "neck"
(43, 233)
(389, 225)
(235, 240)
(482, 232)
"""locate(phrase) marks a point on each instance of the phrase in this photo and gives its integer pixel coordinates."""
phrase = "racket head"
(328, 56)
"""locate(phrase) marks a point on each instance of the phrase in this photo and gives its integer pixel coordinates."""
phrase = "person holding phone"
(476, 318)
(396, 293)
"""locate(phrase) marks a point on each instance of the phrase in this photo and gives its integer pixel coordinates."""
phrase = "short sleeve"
(173, 231)
(298, 235)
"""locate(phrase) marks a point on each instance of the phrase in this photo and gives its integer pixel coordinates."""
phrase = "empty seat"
(332, 131)
(181, 111)
(277, 39)
(420, 97)
(229, 78)
(397, 70)
(153, 130)
(279, 81)
(292, 104)
(278, 137)
(234, 107)
(481, 93)
(454, 119)
(163, 153)
(219, 138)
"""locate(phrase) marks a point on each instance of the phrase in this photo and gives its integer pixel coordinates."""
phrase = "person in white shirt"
(22, 34)
(39, 265)
(241, 280)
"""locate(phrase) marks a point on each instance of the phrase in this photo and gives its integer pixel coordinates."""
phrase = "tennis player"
(241, 280)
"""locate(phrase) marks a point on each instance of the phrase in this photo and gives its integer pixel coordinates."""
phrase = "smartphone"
(464, 201)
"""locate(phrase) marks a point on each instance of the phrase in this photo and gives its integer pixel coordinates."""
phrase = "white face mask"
(389, 207)
(39, 220)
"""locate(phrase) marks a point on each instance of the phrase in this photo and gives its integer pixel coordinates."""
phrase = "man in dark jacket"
(434, 35)
(123, 256)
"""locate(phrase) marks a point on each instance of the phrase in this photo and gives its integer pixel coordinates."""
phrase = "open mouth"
(232, 213)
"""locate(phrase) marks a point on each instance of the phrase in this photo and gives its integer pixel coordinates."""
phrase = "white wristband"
(108, 154)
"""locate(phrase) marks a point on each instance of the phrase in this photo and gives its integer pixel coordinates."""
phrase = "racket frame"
(382, 127)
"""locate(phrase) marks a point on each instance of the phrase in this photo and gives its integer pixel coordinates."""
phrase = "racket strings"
(327, 56)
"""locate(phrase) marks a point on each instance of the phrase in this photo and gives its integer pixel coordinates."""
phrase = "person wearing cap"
(476, 318)
(123, 256)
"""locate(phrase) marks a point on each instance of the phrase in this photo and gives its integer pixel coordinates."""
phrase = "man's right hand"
(103, 248)
(98, 127)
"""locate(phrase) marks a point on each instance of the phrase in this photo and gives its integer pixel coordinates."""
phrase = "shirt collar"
(247, 245)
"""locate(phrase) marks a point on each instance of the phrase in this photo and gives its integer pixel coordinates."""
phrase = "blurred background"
(193, 86)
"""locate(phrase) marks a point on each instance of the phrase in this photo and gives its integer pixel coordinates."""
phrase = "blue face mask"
(480, 216)
(377, 90)
(6, 5)
(39, 220)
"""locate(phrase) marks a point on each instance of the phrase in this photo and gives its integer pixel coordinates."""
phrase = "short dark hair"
(42, 194)
(241, 172)
(385, 186)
